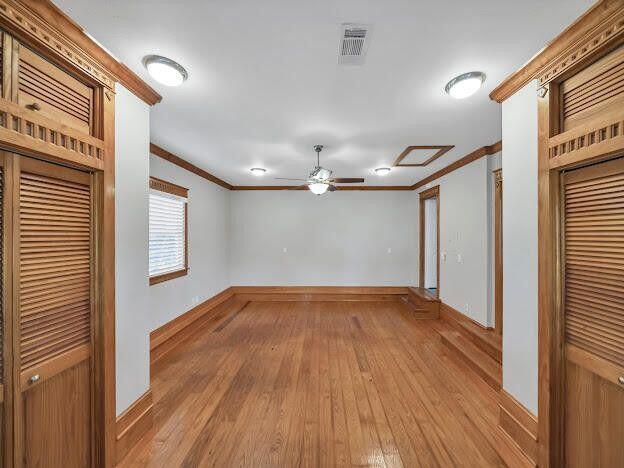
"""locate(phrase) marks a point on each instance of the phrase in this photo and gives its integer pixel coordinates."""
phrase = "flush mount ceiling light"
(258, 171)
(382, 171)
(465, 85)
(164, 70)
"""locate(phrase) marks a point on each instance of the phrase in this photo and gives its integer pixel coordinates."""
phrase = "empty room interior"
(312, 234)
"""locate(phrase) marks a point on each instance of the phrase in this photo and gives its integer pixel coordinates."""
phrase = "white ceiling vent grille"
(353, 43)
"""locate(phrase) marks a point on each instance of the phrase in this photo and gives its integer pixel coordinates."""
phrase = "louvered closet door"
(593, 246)
(53, 251)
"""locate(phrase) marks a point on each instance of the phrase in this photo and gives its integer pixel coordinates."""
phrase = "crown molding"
(476, 154)
(178, 161)
(601, 28)
(44, 26)
(470, 157)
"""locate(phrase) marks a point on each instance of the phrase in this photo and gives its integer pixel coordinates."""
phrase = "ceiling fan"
(320, 180)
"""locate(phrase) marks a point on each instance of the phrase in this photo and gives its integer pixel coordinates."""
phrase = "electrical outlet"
(459, 258)
(389, 250)
(443, 256)
(195, 300)
(285, 249)
(467, 308)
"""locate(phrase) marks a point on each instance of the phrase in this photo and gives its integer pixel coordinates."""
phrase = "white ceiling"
(265, 85)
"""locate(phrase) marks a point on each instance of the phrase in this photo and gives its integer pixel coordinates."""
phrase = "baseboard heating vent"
(354, 40)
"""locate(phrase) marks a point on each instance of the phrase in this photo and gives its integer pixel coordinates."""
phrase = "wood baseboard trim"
(519, 424)
(319, 293)
(170, 329)
(482, 337)
(133, 423)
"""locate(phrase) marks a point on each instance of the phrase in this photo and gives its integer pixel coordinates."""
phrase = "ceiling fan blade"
(347, 180)
(332, 188)
(286, 178)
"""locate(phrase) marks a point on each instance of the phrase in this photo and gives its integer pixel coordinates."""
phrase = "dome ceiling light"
(465, 85)
(165, 70)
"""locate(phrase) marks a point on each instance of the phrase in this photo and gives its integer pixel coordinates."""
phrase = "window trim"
(171, 188)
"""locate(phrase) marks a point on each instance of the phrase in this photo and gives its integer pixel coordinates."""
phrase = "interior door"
(593, 313)
(52, 251)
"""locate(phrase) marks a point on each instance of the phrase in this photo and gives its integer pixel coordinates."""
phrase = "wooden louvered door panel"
(593, 305)
(44, 87)
(594, 93)
(52, 253)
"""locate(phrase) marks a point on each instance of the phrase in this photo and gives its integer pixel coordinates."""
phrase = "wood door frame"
(433, 192)
(498, 250)
(551, 332)
(103, 175)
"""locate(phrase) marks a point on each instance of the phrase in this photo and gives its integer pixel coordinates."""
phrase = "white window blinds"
(167, 233)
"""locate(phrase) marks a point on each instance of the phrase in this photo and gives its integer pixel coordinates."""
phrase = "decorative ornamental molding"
(29, 131)
(608, 31)
(31, 26)
(600, 28)
(581, 138)
(168, 187)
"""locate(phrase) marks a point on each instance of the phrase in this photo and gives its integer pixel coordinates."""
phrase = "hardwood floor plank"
(320, 384)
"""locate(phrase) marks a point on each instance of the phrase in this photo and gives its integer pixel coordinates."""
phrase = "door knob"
(621, 379)
(33, 379)
(34, 106)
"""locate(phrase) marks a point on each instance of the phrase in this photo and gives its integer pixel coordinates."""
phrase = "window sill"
(167, 276)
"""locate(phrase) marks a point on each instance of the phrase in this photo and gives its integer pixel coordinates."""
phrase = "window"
(168, 237)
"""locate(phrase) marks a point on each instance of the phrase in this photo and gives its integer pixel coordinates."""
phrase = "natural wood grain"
(519, 423)
(442, 149)
(320, 384)
(134, 423)
(178, 161)
(498, 251)
(597, 30)
(44, 26)
(433, 192)
(470, 157)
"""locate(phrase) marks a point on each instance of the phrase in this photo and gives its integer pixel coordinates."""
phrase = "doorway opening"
(429, 277)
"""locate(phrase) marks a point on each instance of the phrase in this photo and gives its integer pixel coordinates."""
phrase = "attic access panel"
(419, 156)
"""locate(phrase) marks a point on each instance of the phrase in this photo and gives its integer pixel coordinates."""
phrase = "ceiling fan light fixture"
(165, 70)
(318, 188)
(465, 85)
(258, 171)
(382, 171)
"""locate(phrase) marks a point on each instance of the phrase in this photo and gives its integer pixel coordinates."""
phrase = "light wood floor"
(320, 384)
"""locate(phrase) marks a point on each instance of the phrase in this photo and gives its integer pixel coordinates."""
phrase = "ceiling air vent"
(353, 43)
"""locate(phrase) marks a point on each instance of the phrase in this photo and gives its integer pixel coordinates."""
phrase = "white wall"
(431, 243)
(464, 233)
(341, 238)
(208, 234)
(131, 236)
(520, 246)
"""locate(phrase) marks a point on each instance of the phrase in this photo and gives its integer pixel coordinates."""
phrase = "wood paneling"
(320, 384)
(134, 423)
(57, 427)
(596, 31)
